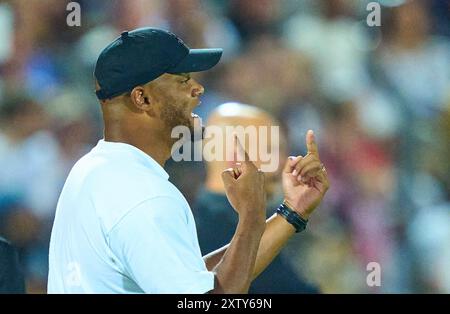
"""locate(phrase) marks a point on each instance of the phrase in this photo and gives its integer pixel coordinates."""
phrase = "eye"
(185, 78)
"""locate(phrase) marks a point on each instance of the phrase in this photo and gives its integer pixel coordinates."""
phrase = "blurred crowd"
(378, 99)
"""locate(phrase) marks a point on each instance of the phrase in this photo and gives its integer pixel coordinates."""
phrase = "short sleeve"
(159, 250)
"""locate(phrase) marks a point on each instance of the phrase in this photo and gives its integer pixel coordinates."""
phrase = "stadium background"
(377, 97)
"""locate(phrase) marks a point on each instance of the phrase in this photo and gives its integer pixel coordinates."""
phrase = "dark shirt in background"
(11, 277)
(216, 223)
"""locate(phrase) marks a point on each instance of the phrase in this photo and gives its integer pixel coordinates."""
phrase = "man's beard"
(174, 115)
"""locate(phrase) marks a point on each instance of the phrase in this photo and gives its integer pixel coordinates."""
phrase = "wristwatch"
(292, 217)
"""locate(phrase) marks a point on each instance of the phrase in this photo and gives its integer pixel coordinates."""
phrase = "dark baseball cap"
(142, 55)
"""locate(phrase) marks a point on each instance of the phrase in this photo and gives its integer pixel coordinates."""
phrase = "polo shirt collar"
(138, 154)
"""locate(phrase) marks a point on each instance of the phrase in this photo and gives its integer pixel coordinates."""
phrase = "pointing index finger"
(241, 154)
(311, 143)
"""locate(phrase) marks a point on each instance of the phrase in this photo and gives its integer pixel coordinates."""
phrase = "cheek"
(181, 93)
(171, 97)
(186, 92)
(178, 96)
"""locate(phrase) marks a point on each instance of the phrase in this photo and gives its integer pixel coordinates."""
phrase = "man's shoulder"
(101, 169)
(116, 186)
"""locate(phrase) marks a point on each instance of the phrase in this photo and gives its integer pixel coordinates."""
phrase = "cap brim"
(198, 60)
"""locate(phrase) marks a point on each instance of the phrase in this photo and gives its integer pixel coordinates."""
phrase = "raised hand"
(244, 185)
(305, 180)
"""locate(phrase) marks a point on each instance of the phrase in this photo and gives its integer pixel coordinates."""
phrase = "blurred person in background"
(29, 182)
(431, 249)
(360, 207)
(38, 146)
(11, 276)
(284, 86)
(215, 217)
(328, 32)
(253, 19)
(412, 67)
(284, 80)
(415, 63)
(74, 125)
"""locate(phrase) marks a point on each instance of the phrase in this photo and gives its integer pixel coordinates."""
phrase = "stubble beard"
(174, 115)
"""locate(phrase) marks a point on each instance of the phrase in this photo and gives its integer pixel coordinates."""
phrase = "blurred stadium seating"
(378, 99)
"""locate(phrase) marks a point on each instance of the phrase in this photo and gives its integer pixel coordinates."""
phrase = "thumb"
(290, 164)
(228, 177)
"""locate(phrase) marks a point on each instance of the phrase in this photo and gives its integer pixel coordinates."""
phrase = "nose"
(198, 90)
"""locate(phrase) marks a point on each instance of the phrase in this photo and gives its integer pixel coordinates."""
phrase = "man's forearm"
(278, 231)
(234, 266)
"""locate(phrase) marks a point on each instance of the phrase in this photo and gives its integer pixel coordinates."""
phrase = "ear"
(141, 99)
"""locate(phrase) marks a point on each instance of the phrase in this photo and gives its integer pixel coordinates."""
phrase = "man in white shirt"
(122, 227)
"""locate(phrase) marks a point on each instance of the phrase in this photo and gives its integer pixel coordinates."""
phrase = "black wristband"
(292, 217)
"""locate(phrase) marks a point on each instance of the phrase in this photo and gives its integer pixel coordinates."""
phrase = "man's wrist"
(292, 217)
(302, 213)
(252, 221)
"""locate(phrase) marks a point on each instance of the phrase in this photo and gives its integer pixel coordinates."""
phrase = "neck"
(157, 146)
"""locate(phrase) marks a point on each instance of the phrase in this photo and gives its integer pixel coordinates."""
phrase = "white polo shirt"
(122, 227)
